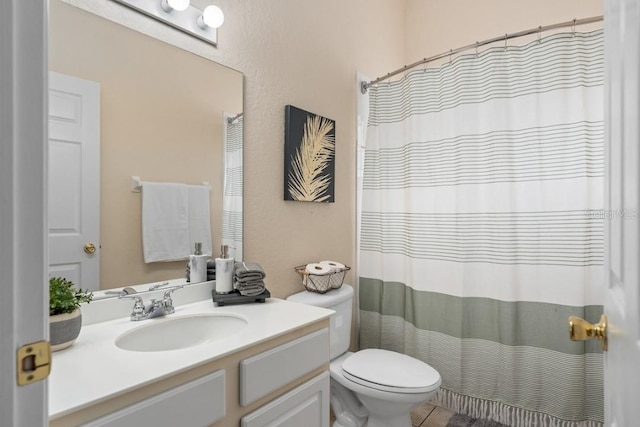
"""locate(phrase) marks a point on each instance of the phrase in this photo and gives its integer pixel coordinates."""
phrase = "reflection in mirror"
(165, 115)
(233, 184)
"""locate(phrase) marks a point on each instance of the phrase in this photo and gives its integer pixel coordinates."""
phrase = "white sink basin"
(179, 332)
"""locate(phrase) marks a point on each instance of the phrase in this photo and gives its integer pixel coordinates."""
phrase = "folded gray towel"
(248, 269)
(211, 264)
(252, 292)
(249, 278)
(252, 288)
(249, 283)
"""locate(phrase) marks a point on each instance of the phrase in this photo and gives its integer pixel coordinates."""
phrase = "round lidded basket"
(322, 283)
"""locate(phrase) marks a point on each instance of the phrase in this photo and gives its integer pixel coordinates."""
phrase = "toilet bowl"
(371, 387)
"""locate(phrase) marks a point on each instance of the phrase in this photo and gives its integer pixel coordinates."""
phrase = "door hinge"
(34, 362)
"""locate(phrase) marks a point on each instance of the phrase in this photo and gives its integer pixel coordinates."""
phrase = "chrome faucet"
(156, 308)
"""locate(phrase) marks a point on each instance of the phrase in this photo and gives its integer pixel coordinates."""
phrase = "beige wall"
(435, 26)
(161, 119)
(304, 53)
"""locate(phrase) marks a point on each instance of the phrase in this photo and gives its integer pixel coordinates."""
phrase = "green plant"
(63, 298)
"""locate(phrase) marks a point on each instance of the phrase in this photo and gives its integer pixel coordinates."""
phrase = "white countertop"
(94, 369)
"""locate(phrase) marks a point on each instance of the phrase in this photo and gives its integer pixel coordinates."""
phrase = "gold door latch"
(34, 362)
(580, 330)
(90, 248)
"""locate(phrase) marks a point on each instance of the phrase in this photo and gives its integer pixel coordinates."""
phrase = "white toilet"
(369, 388)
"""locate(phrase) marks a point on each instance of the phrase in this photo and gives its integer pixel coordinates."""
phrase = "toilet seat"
(390, 371)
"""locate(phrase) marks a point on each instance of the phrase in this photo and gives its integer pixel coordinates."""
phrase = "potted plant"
(65, 317)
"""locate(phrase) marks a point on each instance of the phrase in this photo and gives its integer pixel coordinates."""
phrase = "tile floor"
(425, 416)
(430, 416)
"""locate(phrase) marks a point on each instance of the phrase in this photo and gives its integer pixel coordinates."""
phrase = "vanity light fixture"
(212, 17)
(171, 5)
(182, 16)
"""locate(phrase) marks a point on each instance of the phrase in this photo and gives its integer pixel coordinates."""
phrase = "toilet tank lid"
(330, 299)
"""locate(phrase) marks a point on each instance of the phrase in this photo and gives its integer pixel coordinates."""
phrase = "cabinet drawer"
(266, 372)
(196, 403)
(306, 405)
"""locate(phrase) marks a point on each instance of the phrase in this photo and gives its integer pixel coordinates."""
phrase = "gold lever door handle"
(580, 330)
(90, 248)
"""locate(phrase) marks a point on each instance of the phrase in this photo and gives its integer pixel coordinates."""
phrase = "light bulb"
(212, 17)
(178, 5)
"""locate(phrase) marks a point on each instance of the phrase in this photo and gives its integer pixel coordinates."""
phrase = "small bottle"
(198, 265)
(224, 271)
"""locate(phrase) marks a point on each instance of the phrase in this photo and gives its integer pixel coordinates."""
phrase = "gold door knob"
(90, 248)
(580, 330)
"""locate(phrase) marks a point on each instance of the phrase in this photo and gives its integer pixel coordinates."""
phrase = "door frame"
(23, 207)
(622, 229)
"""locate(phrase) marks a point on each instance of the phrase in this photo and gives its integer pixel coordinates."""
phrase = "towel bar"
(136, 184)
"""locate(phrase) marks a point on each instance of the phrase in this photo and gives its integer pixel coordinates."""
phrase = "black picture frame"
(309, 156)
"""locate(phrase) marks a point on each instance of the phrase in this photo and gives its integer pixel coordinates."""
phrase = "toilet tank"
(339, 300)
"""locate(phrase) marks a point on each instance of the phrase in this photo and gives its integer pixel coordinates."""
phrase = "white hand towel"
(165, 222)
(199, 218)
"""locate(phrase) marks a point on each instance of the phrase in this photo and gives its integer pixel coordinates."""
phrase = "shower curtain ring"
(573, 28)
(477, 49)
(450, 53)
(424, 65)
(505, 41)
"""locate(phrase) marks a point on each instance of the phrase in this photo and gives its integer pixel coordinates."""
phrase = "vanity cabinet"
(277, 382)
(266, 372)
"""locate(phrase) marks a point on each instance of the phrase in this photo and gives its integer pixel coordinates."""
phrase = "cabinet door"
(267, 372)
(306, 405)
(196, 403)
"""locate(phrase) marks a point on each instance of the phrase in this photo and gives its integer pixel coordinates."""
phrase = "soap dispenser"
(198, 265)
(224, 271)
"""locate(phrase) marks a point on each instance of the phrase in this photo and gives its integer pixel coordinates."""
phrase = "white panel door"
(622, 301)
(74, 180)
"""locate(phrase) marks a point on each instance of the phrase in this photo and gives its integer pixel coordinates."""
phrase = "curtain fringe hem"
(502, 413)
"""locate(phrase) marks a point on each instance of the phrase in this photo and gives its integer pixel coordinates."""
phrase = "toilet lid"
(390, 371)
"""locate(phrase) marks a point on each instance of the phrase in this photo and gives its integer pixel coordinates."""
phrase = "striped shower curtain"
(482, 228)
(233, 187)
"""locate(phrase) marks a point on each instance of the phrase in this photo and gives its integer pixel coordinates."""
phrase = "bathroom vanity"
(272, 369)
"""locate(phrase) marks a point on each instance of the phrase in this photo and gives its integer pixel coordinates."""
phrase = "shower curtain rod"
(366, 85)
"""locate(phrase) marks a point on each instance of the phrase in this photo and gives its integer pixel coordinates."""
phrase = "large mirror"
(166, 115)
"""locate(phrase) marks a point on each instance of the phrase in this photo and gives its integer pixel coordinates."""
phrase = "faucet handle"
(167, 302)
(138, 309)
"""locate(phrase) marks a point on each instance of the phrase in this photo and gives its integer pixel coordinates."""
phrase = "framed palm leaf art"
(309, 156)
